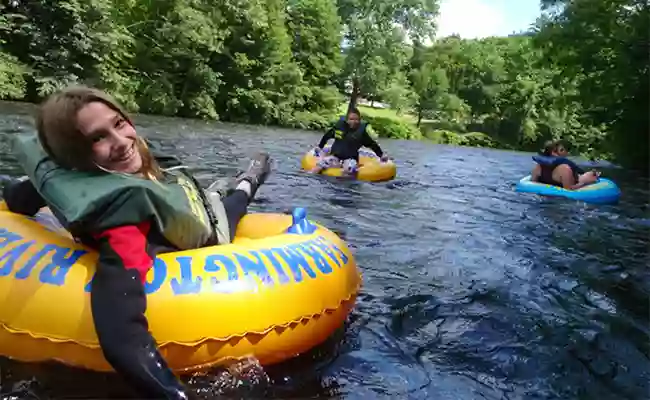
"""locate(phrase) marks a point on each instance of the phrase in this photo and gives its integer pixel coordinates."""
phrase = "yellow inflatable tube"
(370, 167)
(269, 294)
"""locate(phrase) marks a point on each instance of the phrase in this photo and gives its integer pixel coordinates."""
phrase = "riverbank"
(404, 126)
(386, 123)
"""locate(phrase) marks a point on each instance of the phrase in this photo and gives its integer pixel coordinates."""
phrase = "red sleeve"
(126, 247)
(119, 303)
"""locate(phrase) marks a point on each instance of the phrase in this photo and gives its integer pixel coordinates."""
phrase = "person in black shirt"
(554, 168)
(349, 136)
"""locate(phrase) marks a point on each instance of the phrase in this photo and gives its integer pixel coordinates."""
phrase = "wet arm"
(536, 173)
(22, 197)
(369, 142)
(327, 136)
(118, 305)
(568, 180)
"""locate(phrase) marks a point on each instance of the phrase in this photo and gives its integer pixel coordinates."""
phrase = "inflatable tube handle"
(301, 225)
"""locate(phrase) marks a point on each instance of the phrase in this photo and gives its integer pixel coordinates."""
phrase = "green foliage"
(443, 136)
(603, 46)
(12, 77)
(261, 61)
(582, 74)
(12, 71)
(478, 139)
(375, 31)
(62, 42)
(399, 94)
(430, 86)
(392, 128)
(471, 139)
(570, 80)
(310, 120)
(315, 29)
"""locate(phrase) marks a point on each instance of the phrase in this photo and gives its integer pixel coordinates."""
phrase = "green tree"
(12, 72)
(174, 44)
(430, 85)
(263, 83)
(603, 44)
(374, 39)
(399, 94)
(315, 29)
(62, 42)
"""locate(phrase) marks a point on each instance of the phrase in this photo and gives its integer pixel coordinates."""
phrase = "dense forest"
(581, 73)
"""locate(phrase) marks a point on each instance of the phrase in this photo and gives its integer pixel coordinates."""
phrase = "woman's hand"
(318, 152)
(589, 177)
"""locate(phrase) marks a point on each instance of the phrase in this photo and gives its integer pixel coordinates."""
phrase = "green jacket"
(91, 202)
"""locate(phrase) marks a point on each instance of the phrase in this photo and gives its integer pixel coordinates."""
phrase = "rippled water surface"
(471, 291)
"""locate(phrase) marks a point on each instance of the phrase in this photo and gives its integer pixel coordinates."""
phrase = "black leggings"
(236, 206)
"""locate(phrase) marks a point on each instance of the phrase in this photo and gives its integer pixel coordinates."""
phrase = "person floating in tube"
(349, 135)
(113, 192)
(553, 168)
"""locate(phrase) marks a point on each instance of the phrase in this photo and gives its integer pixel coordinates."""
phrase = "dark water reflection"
(471, 291)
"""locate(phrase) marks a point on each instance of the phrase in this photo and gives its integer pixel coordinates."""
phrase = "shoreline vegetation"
(580, 73)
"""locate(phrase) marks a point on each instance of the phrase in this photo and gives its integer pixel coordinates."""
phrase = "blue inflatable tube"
(604, 191)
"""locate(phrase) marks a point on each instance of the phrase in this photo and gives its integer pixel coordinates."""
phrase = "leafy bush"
(478, 139)
(309, 120)
(472, 139)
(441, 136)
(12, 77)
(393, 128)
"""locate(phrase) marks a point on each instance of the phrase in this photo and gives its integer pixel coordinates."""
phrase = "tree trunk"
(355, 94)
(419, 116)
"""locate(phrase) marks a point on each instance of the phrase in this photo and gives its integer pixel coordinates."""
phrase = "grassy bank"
(387, 123)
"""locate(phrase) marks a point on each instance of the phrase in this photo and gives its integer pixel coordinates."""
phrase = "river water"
(471, 291)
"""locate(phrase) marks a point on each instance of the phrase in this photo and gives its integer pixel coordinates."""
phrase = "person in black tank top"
(553, 168)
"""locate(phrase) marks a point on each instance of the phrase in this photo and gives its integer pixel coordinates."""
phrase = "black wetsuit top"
(350, 141)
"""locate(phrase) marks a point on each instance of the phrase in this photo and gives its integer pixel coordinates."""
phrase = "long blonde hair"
(58, 132)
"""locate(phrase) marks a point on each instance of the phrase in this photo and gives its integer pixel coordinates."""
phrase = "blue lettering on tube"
(282, 275)
(295, 261)
(159, 277)
(7, 237)
(322, 246)
(10, 257)
(27, 269)
(186, 285)
(340, 252)
(257, 267)
(89, 285)
(319, 260)
(214, 263)
(55, 272)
